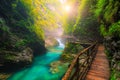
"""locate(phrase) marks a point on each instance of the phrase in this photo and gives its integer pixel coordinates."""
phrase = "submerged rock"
(56, 66)
(4, 76)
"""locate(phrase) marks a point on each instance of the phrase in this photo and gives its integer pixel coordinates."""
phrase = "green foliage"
(66, 57)
(69, 19)
(30, 10)
(99, 7)
(115, 74)
(72, 48)
(113, 77)
(103, 30)
(81, 14)
(3, 26)
(86, 25)
(110, 10)
(9, 57)
(107, 11)
(28, 18)
(21, 43)
(44, 14)
(68, 28)
(114, 29)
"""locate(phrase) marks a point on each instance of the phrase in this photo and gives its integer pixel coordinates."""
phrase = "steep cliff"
(19, 41)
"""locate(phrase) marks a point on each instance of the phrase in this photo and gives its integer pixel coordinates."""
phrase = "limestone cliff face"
(13, 57)
(18, 41)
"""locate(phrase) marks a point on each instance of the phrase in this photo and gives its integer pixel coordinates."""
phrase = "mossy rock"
(22, 58)
(67, 57)
(72, 48)
(54, 67)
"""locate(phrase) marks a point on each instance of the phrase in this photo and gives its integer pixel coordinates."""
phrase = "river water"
(40, 68)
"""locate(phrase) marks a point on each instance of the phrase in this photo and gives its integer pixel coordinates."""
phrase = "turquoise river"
(40, 68)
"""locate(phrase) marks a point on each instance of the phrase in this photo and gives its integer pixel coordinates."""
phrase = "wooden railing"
(81, 64)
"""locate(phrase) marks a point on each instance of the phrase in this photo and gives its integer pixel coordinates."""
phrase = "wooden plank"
(100, 67)
(67, 74)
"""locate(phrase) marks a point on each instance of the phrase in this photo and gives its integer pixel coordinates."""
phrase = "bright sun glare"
(67, 8)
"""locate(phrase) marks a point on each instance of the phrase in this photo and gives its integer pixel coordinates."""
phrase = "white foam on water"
(61, 45)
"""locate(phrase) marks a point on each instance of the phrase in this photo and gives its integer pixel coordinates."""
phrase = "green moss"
(114, 29)
(9, 57)
(21, 43)
(106, 10)
(66, 57)
(72, 48)
(3, 26)
(110, 10)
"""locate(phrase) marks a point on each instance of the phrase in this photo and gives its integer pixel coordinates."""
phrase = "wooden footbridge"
(89, 64)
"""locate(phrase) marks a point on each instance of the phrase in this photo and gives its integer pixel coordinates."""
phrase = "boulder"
(58, 67)
(7, 58)
(54, 67)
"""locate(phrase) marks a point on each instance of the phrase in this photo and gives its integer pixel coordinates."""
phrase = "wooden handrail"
(75, 62)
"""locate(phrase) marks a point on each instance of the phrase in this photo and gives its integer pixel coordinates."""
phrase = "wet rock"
(54, 67)
(25, 56)
(17, 58)
(67, 57)
(54, 70)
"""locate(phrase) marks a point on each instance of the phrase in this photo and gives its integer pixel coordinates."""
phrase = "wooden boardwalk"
(99, 69)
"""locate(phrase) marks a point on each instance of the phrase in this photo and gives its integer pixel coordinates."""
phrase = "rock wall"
(19, 42)
(113, 51)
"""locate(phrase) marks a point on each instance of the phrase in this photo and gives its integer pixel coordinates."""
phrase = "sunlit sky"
(62, 1)
(65, 6)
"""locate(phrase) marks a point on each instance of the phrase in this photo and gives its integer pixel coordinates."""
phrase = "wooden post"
(75, 64)
(77, 68)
